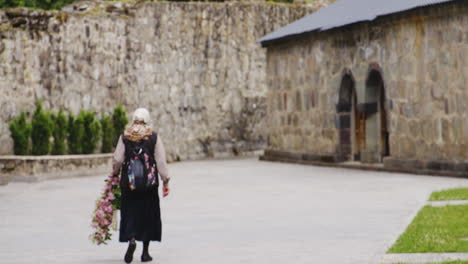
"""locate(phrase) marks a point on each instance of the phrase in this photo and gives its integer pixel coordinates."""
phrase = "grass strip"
(449, 262)
(452, 194)
(435, 229)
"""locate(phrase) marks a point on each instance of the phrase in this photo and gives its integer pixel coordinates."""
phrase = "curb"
(423, 257)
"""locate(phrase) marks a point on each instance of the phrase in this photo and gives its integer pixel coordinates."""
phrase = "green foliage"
(119, 120)
(116, 203)
(92, 131)
(59, 133)
(80, 135)
(107, 129)
(281, 1)
(20, 132)
(448, 262)
(41, 131)
(452, 194)
(41, 4)
(75, 134)
(435, 229)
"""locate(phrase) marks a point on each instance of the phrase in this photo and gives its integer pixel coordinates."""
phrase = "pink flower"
(102, 217)
(100, 214)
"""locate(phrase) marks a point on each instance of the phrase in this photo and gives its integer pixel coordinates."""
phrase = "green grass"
(449, 262)
(435, 229)
(452, 194)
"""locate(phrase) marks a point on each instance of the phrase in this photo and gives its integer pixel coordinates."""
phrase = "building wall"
(422, 56)
(196, 66)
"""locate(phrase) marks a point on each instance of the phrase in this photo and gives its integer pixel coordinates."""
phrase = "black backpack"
(140, 165)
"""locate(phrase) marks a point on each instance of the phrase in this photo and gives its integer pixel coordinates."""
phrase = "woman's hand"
(166, 190)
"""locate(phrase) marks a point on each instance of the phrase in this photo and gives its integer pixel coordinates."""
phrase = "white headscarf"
(141, 114)
(137, 132)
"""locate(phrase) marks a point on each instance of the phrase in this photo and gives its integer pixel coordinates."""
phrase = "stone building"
(379, 82)
(196, 66)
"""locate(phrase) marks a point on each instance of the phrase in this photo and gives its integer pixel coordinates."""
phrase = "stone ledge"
(423, 257)
(436, 168)
(430, 167)
(294, 157)
(55, 157)
(35, 168)
(445, 203)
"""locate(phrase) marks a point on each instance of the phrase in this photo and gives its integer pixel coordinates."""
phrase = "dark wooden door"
(385, 149)
(360, 135)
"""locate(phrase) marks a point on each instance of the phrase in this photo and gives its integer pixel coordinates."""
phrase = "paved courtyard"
(226, 211)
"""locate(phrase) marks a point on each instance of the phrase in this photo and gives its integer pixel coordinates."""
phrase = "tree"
(92, 131)
(41, 131)
(107, 133)
(119, 120)
(20, 132)
(59, 133)
(75, 134)
(41, 4)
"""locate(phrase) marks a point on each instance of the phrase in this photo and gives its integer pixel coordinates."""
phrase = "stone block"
(406, 165)
(438, 165)
(368, 156)
(9, 165)
(461, 167)
(4, 179)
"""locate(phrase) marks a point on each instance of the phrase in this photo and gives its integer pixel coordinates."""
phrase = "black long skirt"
(140, 215)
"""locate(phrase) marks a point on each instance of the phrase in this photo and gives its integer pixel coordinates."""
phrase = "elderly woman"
(140, 211)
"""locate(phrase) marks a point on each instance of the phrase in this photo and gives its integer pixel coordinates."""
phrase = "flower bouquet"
(106, 207)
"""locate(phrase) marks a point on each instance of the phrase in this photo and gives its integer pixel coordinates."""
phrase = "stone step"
(413, 258)
(444, 203)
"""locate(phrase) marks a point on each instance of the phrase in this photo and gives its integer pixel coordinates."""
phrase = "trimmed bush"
(41, 4)
(119, 120)
(20, 132)
(107, 133)
(59, 133)
(281, 1)
(75, 134)
(41, 131)
(92, 132)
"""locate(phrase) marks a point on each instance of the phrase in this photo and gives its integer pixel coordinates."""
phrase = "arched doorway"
(346, 111)
(377, 136)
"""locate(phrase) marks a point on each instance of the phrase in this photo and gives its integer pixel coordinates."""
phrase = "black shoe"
(129, 255)
(145, 257)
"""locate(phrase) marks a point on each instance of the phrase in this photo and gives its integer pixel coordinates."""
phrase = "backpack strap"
(148, 145)
(154, 139)
(127, 145)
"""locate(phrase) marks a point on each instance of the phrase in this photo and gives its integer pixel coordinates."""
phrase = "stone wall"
(36, 168)
(421, 56)
(196, 66)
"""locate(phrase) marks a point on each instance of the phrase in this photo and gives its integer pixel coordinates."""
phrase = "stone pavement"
(227, 211)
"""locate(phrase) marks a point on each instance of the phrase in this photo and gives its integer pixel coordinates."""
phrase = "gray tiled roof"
(345, 12)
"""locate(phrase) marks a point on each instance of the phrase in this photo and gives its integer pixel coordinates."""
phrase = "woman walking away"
(140, 156)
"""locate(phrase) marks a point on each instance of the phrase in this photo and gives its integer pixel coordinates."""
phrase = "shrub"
(20, 132)
(59, 133)
(281, 1)
(107, 133)
(119, 120)
(75, 134)
(92, 132)
(41, 131)
(42, 4)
